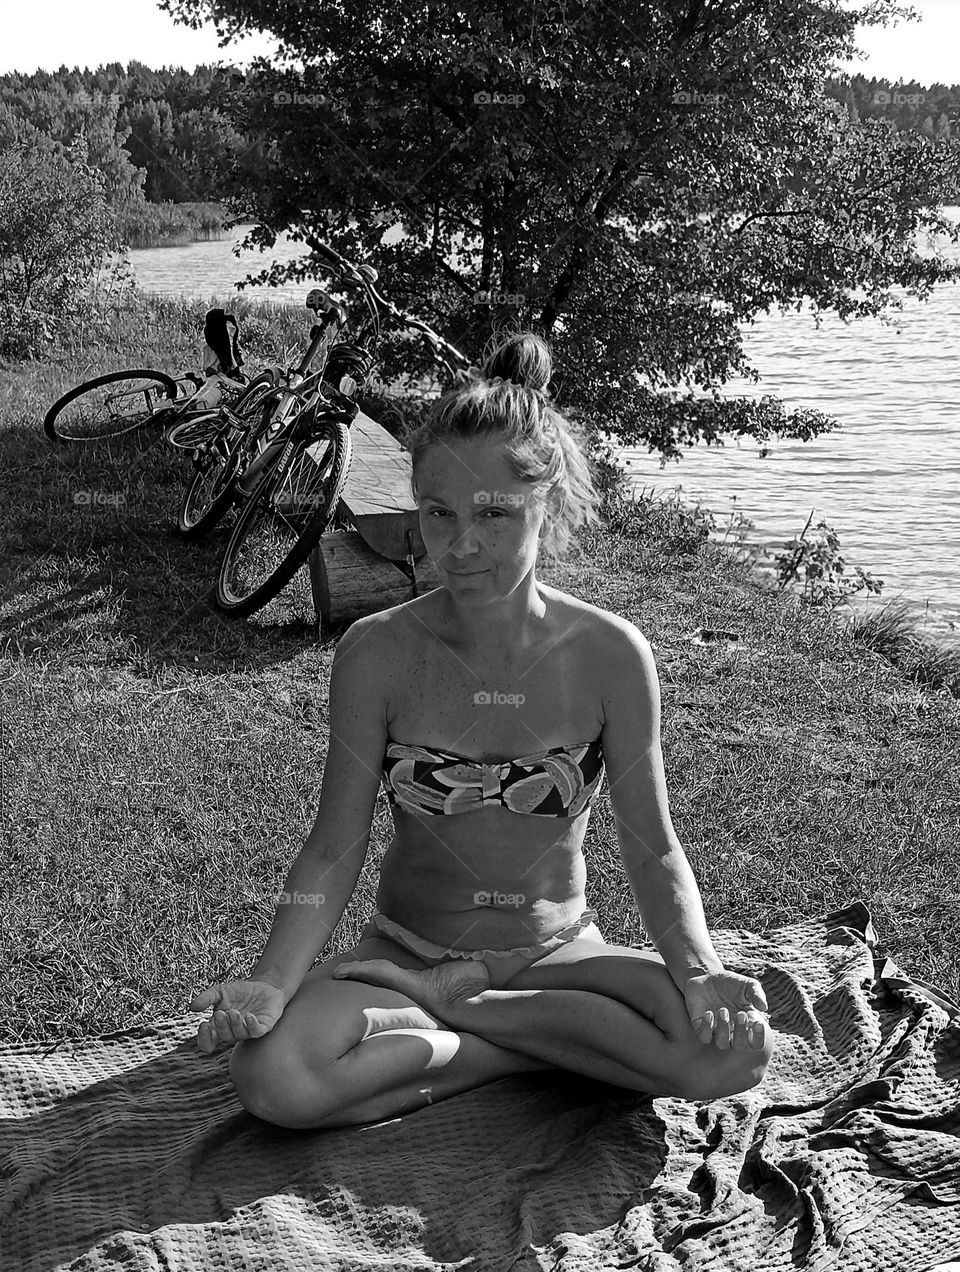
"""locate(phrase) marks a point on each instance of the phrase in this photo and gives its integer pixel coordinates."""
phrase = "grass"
(160, 765)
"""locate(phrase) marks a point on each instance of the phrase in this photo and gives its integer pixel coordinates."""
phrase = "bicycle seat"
(317, 300)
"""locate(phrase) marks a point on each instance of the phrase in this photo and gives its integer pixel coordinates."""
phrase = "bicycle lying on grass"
(124, 401)
(286, 460)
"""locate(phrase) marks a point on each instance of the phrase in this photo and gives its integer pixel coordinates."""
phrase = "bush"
(823, 567)
(55, 231)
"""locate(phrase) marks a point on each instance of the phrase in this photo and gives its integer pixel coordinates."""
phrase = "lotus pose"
(489, 710)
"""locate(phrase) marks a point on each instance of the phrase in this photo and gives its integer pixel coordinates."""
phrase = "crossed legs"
(404, 1036)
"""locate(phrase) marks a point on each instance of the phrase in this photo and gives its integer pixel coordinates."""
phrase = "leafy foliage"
(66, 118)
(55, 229)
(634, 182)
(823, 569)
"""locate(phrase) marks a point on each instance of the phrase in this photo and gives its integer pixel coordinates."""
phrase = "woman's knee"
(712, 1074)
(292, 1075)
(274, 1086)
(704, 1071)
(286, 1092)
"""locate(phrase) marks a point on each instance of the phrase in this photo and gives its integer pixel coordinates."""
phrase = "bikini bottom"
(501, 964)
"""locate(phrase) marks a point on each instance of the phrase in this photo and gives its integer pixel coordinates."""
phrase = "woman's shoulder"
(567, 611)
(390, 635)
(598, 625)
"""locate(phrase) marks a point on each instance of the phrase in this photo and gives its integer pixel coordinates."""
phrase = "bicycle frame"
(304, 424)
(446, 353)
(300, 390)
(304, 395)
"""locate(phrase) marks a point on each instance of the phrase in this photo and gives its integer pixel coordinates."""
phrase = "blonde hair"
(508, 401)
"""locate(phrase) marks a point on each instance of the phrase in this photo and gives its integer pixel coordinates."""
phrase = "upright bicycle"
(292, 467)
(225, 443)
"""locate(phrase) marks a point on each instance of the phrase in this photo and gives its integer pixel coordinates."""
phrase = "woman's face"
(480, 523)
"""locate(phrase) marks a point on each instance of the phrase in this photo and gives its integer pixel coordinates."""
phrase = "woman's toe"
(436, 988)
(376, 971)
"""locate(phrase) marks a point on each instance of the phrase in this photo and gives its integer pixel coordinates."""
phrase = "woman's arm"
(324, 875)
(660, 876)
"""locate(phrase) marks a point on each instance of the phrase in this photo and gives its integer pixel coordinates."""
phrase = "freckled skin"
(496, 628)
(476, 515)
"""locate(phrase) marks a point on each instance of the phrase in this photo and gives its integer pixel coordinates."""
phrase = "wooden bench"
(382, 560)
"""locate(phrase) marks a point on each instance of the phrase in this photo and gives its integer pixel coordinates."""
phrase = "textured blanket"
(131, 1151)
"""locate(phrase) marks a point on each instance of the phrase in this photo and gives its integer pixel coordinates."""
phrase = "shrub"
(55, 231)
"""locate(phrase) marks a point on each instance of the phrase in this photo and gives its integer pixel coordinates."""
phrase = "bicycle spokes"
(304, 490)
(111, 408)
(283, 507)
(210, 474)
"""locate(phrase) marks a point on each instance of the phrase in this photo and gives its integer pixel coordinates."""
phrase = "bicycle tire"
(297, 537)
(59, 425)
(210, 492)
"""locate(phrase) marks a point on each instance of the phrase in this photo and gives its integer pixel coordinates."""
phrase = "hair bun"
(523, 358)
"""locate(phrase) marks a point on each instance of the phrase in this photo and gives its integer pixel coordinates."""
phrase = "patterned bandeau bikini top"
(559, 782)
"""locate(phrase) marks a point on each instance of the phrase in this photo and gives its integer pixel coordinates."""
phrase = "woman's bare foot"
(440, 990)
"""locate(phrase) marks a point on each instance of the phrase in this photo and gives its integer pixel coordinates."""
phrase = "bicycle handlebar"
(352, 274)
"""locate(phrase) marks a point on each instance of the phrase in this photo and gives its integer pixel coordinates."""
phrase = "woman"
(482, 958)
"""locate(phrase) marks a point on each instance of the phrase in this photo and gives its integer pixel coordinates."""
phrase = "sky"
(51, 33)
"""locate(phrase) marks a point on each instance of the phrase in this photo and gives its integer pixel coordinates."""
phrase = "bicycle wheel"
(211, 490)
(109, 406)
(283, 520)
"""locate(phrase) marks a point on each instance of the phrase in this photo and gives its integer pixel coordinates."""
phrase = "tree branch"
(564, 284)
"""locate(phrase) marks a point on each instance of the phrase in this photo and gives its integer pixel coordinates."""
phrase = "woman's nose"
(465, 541)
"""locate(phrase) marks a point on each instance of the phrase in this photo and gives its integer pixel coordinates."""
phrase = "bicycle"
(224, 442)
(121, 402)
(303, 460)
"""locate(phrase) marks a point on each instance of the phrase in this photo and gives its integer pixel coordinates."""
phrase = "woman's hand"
(242, 1009)
(727, 1009)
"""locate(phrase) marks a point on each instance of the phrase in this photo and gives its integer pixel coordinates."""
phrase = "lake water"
(888, 481)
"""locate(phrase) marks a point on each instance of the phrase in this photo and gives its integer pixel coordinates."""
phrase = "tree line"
(173, 134)
(931, 110)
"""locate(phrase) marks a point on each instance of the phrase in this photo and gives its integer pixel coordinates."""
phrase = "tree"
(151, 147)
(634, 181)
(55, 230)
